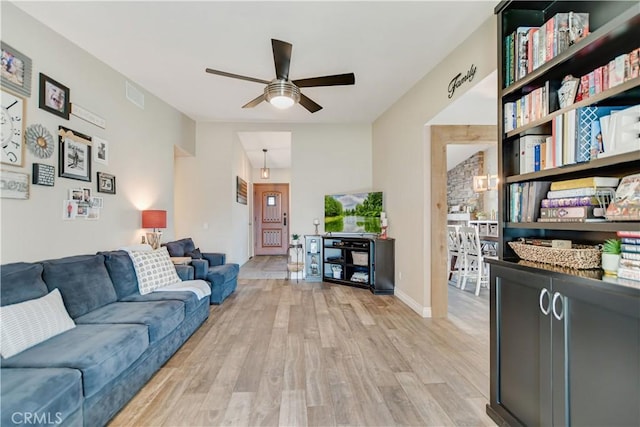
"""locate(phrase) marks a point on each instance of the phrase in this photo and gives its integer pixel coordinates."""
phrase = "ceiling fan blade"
(254, 102)
(310, 105)
(336, 80)
(236, 76)
(281, 58)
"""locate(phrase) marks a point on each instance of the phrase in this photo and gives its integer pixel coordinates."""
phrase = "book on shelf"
(589, 145)
(629, 273)
(521, 66)
(630, 248)
(525, 199)
(578, 26)
(569, 214)
(628, 233)
(577, 192)
(630, 263)
(592, 181)
(620, 131)
(630, 255)
(569, 201)
(528, 144)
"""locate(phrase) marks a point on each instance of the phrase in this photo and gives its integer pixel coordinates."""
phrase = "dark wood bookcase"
(564, 343)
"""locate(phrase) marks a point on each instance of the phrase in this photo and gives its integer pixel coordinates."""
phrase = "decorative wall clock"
(12, 121)
(39, 141)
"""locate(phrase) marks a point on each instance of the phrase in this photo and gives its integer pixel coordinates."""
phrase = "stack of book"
(525, 199)
(575, 200)
(630, 263)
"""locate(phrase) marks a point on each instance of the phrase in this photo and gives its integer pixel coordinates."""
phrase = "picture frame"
(74, 155)
(101, 150)
(106, 183)
(54, 97)
(241, 191)
(16, 70)
(14, 185)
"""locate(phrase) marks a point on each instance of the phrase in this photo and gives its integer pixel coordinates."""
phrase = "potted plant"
(295, 238)
(611, 256)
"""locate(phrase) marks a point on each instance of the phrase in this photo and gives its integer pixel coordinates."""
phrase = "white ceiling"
(277, 144)
(165, 47)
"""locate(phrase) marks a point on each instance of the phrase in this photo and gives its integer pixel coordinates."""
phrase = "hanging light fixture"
(264, 171)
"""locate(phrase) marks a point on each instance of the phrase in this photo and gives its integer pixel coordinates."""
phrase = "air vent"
(134, 95)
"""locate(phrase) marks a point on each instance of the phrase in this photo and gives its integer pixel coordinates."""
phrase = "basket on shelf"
(360, 258)
(581, 257)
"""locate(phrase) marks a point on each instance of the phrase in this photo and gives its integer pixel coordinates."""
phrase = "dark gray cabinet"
(565, 350)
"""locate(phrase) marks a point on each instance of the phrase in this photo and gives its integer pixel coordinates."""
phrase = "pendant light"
(264, 171)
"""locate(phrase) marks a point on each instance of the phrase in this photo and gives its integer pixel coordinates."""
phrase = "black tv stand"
(363, 262)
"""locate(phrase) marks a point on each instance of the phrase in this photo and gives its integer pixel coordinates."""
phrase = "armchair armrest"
(200, 267)
(214, 258)
(185, 272)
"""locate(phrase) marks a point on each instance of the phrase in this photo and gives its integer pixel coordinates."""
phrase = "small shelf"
(577, 226)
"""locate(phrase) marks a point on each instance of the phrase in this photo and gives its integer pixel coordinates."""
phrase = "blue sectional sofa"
(209, 266)
(85, 375)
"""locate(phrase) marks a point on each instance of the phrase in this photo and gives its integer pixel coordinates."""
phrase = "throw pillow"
(154, 269)
(31, 322)
(195, 254)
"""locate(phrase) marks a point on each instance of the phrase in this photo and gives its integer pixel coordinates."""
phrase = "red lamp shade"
(154, 219)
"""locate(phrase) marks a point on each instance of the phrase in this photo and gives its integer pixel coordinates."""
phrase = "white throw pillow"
(154, 269)
(28, 323)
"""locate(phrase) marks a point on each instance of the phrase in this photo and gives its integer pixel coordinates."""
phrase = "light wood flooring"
(281, 353)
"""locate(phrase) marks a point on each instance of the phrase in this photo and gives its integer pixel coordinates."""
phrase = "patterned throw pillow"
(31, 322)
(195, 254)
(154, 269)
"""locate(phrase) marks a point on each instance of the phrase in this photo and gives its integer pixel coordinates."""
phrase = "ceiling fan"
(282, 92)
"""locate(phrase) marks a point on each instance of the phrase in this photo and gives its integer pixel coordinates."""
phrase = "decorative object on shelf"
(264, 170)
(43, 174)
(568, 90)
(101, 153)
(384, 225)
(241, 191)
(74, 155)
(87, 115)
(106, 183)
(54, 97)
(14, 185)
(581, 257)
(316, 223)
(39, 141)
(13, 121)
(155, 219)
(611, 250)
(16, 70)
(295, 239)
(337, 271)
(626, 201)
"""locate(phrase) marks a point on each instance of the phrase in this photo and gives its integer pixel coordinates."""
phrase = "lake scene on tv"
(353, 213)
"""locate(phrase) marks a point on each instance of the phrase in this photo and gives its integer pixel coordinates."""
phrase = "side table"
(295, 253)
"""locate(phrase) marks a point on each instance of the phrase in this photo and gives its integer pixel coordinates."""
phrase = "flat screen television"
(353, 212)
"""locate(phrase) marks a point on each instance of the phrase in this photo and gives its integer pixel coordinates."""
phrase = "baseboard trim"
(413, 305)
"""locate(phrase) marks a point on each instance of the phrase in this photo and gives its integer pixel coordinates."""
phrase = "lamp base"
(154, 238)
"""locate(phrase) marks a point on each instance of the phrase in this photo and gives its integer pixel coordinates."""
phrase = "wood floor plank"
(277, 352)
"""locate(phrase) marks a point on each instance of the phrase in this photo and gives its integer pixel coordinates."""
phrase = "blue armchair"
(209, 266)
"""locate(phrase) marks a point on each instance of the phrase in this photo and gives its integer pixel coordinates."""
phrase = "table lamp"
(155, 219)
(316, 223)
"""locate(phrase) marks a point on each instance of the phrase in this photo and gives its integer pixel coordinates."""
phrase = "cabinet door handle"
(542, 309)
(553, 306)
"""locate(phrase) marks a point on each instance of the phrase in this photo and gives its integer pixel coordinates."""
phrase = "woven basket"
(581, 257)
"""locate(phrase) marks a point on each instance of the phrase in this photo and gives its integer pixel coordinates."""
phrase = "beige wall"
(401, 161)
(140, 142)
(325, 159)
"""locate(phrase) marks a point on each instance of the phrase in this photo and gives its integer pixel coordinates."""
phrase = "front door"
(271, 218)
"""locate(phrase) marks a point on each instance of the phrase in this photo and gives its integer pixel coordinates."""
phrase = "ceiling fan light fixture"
(282, 94)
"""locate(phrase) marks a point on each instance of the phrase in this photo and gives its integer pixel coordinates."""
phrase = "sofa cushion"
(43, 396)
(195, 254)
(28, 323)
(21, 281)
(180, 247)
(189, 299)
(153, 269)
(222, 273)
(160, 317)
(121, 271)
(101, 352)
(83, 281)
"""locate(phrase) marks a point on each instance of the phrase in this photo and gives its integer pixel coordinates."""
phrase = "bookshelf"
(564, 345)
(614, 30)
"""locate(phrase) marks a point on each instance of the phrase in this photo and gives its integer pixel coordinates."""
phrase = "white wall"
(401, 161)
(141, 152)
(325, 159)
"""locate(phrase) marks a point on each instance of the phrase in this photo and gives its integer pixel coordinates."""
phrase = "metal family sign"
(459, 80)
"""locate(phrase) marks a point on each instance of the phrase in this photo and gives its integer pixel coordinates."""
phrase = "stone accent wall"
(460, 182)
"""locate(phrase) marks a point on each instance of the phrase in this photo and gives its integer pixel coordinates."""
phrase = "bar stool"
(473, 260)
